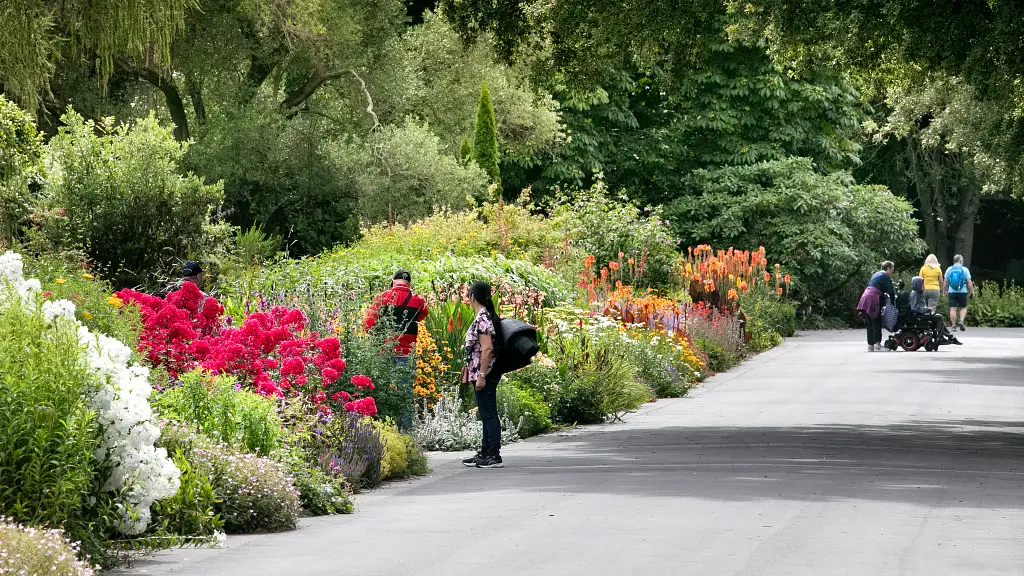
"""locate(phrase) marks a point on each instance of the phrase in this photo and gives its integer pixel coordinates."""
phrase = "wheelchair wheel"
(909, 341)
(931, 346)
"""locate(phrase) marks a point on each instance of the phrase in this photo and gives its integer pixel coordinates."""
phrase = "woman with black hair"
(483, 340)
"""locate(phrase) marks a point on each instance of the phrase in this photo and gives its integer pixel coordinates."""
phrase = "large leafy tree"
(646, 130)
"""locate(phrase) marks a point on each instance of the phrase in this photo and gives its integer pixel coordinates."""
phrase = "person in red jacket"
(406, 310)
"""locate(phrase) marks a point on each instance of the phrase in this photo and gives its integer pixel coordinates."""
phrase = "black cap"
(191, 268)
(402, 274)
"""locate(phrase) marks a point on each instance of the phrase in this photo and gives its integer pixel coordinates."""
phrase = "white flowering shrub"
(445, 427)
(27, 550)
(120, 401)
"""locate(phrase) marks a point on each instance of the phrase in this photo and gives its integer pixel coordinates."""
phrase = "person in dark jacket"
(919, 306)
(873, 300)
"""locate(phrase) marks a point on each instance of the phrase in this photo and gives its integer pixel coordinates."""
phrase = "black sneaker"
(956, 342)
(489, 462)
(961, 326)
(472, 460)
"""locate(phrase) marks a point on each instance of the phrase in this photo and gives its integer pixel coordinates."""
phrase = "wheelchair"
(913, 331)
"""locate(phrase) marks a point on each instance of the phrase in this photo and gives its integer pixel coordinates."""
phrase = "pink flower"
(292, 367)
(360, 381)
(330, 375)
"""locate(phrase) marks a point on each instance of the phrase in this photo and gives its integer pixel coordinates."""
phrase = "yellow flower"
(88, 276)
(86, 315)
(115, 301)
(60, 281)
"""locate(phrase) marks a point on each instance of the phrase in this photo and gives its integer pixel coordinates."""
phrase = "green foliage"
(830, 233)
(39, 551)
(254, 494)
(485, 138)
(719, 359)
(769, 318)
(997, 306)
(89, 294)
(39, 32)
(600, 225)
(444, 90)
(580, 400)
(190, 513)
(282, 175)
(120, 198)
(465, 151)
(660, 363)
(320, 493)
(402, 457)
(20, 167)
(524, 405)
(48, 434)
(408, 176)
(239, 418)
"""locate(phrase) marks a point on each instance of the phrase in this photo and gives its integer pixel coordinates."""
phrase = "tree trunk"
(924, 194)
(969, 203)
(164, 83)
(939, 204)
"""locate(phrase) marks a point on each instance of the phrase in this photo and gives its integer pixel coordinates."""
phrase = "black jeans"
(875, 329)
(487, 404)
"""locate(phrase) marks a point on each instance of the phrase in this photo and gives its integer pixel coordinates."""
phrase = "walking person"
(931, 273)
(872, 301)
(958, 285)
(483, 341)
(407, 311)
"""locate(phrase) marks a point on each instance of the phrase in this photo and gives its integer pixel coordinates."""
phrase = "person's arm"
(970, 287)
(486, 353)
(891, 288)
(424, 311)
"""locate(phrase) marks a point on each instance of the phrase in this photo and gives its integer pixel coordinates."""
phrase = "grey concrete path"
(817, 458)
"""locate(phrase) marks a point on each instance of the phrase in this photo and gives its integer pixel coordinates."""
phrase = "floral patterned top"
(481, 325)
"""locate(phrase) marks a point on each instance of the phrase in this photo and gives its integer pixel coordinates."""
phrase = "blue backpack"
(957, 278)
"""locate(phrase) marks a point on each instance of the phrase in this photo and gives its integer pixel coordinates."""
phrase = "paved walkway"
(817, 458)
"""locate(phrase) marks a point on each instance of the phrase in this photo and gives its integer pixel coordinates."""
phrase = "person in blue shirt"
(957, 285)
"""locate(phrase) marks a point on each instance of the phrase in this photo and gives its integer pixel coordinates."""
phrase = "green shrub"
(253, 494)
(239, 418)
(599, 225)
(21, 168)
(34, 552)
(621, 391)
(48, 434)
(190, 514)
(526, 406)
(322, 494)
(769, 318)
(120, 197)
(997, 306)
(719, 359)
(402, 457)
(580, 400)
(661, 362)
(256, 495)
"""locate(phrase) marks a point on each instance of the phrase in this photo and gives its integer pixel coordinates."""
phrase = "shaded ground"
(817, 458)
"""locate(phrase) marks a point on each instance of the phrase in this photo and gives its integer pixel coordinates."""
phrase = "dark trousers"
(487, 404)
(875, 329)
(406, 378)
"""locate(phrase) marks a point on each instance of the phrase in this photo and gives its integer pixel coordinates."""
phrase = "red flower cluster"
(271, 351)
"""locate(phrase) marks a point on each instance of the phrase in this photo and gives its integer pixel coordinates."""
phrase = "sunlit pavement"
(816, 458)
